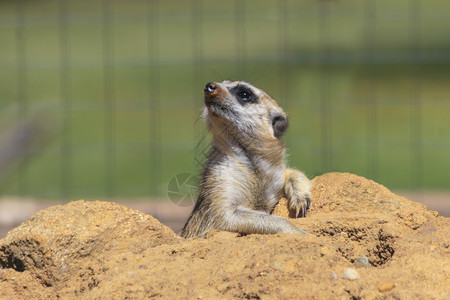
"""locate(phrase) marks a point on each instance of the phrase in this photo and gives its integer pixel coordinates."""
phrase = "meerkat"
(245, 175)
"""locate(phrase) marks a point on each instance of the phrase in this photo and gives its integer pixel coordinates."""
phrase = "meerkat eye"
(245, 95)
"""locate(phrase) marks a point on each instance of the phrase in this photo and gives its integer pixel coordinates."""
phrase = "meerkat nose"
(210, 88)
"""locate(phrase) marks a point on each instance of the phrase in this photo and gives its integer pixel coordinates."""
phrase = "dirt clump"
(367, 243)
(61, 243)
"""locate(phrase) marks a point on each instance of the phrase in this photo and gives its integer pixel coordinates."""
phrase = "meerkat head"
(244, 111)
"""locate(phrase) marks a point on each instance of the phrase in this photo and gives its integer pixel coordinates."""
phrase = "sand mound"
(369, 243)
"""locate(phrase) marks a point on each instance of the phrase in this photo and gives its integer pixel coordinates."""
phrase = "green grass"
(147, 108)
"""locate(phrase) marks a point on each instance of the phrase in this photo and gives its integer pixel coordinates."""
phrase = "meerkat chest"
(241, 181)
(272, 182)
(267, 181)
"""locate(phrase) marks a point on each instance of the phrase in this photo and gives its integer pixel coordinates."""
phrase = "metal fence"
(101, 99)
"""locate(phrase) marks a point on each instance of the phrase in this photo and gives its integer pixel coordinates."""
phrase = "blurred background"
(102, 99)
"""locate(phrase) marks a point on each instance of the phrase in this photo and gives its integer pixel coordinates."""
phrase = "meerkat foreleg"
(297, 189)
(244, 220)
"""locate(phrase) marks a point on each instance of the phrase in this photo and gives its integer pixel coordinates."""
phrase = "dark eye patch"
(244, 94)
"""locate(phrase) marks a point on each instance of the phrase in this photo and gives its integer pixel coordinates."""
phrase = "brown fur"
(246, 174)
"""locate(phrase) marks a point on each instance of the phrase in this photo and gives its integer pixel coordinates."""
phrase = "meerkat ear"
(279, 124)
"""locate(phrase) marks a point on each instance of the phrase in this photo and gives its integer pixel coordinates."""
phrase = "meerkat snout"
(210, 88)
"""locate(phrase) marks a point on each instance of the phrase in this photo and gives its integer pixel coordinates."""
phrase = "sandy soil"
(367, 243)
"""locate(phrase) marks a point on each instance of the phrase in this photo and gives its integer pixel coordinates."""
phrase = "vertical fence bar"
(197, 54)
(66, 142)
(371, 97)
(197, 49)
(197, 45)
(154, 94)
(109, 98)
(416, 103)
(239, 7)
(324, 93)
(22, 96)
(282, 51)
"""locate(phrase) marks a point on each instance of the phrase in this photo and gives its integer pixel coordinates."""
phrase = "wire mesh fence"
(102, 99)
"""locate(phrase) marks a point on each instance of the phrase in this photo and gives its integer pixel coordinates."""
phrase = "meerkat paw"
(298, 192)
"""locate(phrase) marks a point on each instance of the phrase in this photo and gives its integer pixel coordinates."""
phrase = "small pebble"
(223, 287)
(350, 274)
(334, 276)
(361, 261)
(386, 286)
(325, 252)
(279, 266)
